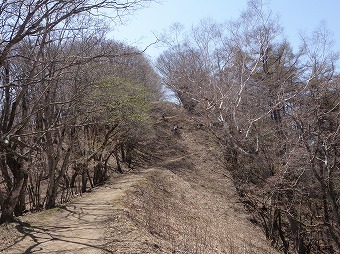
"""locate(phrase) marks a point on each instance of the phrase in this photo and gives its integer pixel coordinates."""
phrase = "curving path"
(186, 203)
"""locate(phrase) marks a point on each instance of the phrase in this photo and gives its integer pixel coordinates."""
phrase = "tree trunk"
(21, 205)
(122, 152)
(119, 168)
(6, 174)
(12, 199)
(51, 189)
(51, 195)
(106, 163)
(83, 180)
(2, 199)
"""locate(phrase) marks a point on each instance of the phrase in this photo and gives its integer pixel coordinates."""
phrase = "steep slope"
(181, 201)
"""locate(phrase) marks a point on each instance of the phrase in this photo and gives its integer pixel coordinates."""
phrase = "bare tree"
(275, 113)
(40, 83)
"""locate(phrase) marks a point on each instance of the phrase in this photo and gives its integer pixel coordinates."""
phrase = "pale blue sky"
(295, 16)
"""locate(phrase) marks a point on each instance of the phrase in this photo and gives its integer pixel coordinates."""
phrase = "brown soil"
(181, 201)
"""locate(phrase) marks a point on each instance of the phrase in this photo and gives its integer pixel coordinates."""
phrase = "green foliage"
(123, 100)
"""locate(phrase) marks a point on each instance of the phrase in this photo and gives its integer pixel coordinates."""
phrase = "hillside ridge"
(182, 201)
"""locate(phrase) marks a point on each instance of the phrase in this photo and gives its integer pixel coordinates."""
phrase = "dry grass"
(171, 211)
(188, 203)
(165, 216)
(185, 202)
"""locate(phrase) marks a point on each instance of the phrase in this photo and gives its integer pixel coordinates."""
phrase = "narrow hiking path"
(183, 201)
(197, 208)
(78, 227)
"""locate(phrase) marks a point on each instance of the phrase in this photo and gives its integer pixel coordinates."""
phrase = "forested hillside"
(275, 112)
(178, 199)
(255, 117)
(70, 99)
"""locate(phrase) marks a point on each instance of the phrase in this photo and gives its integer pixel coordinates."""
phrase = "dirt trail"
(197, 208)
(78, 227)
(184, 202)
